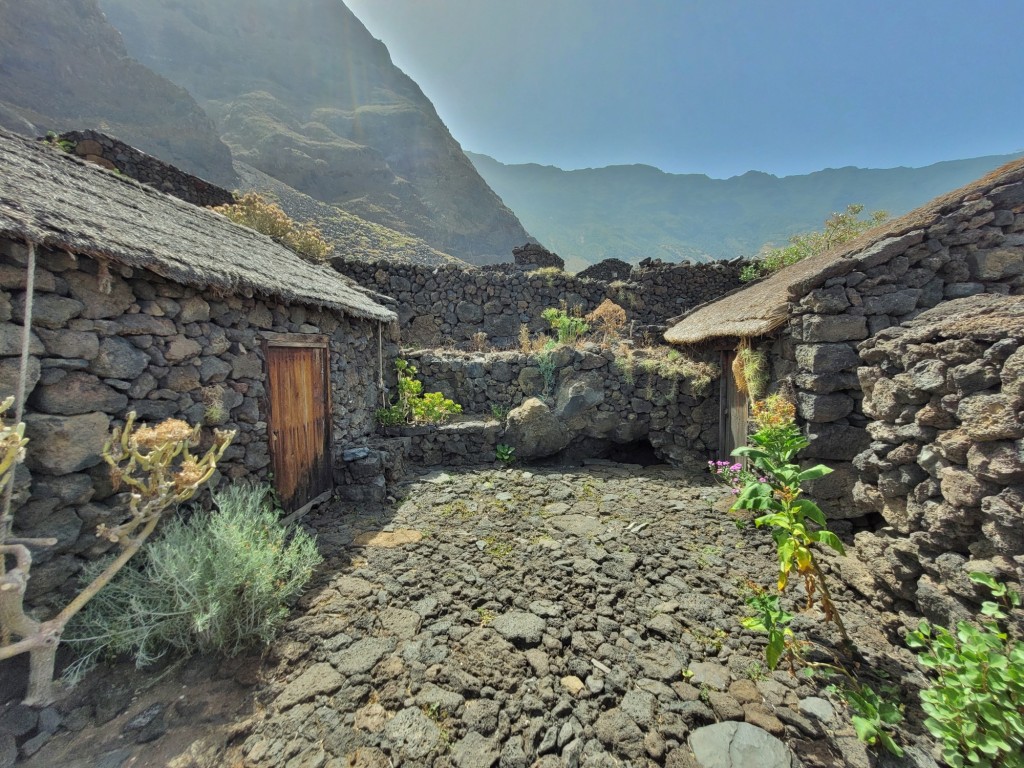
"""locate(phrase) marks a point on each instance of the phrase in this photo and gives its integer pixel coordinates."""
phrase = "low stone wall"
(975, 248)
(463, 442)
(116, 155)
(945, 467)
(594, 397)
(454, 302)
(163, 350)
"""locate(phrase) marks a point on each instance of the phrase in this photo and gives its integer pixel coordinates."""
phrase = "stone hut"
(945, 466)
(811, 316)
(139, 301)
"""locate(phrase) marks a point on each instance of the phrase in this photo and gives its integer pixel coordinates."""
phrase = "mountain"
(63, 67)
(636, 211)
(302, 92)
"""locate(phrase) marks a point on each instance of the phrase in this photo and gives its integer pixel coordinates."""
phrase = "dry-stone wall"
(945, 467)
(161, 349)
(581, 400)
(976, 248)
(116, 155)
(451, 303)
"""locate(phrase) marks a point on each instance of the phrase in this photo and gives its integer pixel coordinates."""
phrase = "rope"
(380, 365)
(19, 398)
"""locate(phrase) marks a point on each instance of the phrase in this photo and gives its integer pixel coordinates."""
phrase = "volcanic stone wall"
(451, 303)
(976, 248)
(163, 350)
(945, 467)
(116, 155)
(586, 400)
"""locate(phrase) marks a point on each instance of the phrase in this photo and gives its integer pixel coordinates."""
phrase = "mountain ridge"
(312, 99)
(636, 211)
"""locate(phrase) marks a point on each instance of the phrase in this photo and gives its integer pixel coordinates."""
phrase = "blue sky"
(716, 86)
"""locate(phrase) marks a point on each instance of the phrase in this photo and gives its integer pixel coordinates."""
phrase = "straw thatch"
(759, 308)
(53, 199)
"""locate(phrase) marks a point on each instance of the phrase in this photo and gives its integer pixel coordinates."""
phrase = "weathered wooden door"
(732, 429)
(299, 398)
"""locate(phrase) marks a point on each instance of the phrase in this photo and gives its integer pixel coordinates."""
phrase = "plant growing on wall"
(567, 327)
(158, 469)
(411, 405)
(750, 370)
(609, 318)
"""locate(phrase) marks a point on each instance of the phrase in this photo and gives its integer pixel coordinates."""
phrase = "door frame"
(269, 340)
(729, 402)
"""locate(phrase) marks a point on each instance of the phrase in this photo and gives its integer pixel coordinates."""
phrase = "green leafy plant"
(567, 327)
(499, 412)
(771, 619)
(506, 454)
(218, 582)
(797, 523)
(412, 406)
(773, 492)
(546, 363)
(392, 416)
(975, 705)
(874, 717)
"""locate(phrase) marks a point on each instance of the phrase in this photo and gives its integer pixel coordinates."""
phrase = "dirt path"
(586, 616)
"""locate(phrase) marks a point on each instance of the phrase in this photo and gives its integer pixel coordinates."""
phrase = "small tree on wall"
(158, 469)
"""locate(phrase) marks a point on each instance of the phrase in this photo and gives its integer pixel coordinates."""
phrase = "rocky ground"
(500, 617)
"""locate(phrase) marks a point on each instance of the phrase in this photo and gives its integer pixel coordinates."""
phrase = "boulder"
(534, 431)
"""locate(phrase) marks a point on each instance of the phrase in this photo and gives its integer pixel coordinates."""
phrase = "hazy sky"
(716, 86)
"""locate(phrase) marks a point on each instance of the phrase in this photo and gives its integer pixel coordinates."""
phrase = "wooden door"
(732, 429)
(299, 423)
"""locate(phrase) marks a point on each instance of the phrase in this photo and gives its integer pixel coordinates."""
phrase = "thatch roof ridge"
(54, 199)
(760, 307)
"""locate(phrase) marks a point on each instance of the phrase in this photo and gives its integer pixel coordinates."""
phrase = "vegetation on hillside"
(840, 227)
(254, 211)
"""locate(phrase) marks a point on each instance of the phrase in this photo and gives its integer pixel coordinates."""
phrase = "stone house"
(811, 316)
(139, 301)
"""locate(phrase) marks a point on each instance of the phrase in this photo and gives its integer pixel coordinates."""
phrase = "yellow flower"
(773, 412)
(169, 431)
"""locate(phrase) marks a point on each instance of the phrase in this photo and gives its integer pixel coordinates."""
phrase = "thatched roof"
(56, 200)
(760, 307)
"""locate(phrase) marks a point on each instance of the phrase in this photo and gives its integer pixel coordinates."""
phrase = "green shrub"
(568, 327)
(975, 707)
(412, 405)
(840, 227)
(219, 582)
(505, 453)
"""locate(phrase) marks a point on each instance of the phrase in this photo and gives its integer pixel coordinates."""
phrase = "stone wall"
(945, 467)
(588, 400)
(454, 302)
(977, 248)
(116, 155)
(163, 350)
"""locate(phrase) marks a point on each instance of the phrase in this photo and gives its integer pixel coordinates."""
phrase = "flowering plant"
(797, 523)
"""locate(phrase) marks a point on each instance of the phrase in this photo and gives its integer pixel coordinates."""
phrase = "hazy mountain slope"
(62, 66)
(303, 92)
(632, 212)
